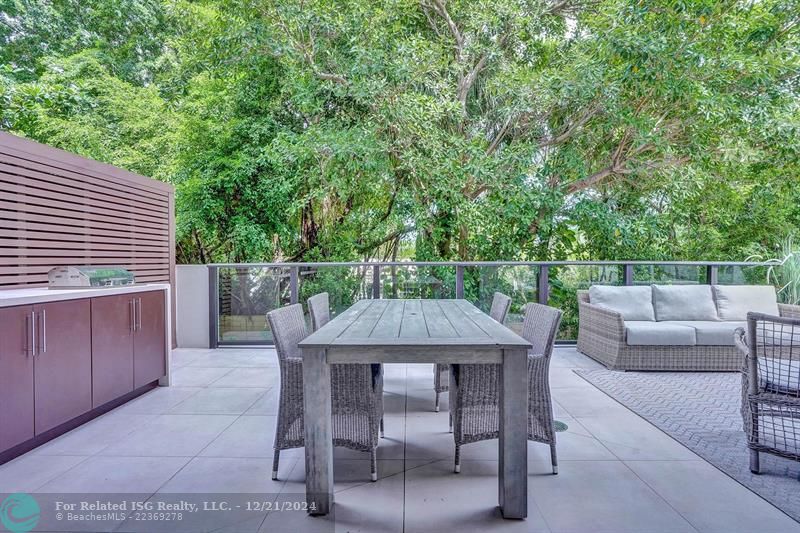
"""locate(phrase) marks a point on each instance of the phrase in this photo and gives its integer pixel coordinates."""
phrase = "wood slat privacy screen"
(58, 208)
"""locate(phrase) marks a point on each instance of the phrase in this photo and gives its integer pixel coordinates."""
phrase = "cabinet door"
(149, 340)
(16, 376)
(112, 347)
(63, 364)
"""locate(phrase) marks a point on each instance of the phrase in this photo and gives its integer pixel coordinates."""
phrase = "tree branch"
(573, 127)
(394, 235)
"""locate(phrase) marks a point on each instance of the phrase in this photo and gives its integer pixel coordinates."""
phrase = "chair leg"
(383, 435)
(553, 457)
(457, 468)
(436, 405)
(276, 459)
(373, 464)
(755, 465)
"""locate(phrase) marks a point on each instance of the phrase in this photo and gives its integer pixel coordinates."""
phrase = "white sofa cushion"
(713, 333)
(633, 303)
(735, 301)
(684, 302)
(779, 375)
(644, 333)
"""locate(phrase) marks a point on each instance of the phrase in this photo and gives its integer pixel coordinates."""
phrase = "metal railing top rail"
(615, 262)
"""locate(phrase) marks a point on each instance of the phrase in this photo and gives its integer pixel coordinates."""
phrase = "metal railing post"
(543, 285)
(294, 275)
(627, 275)
(712, 274)
(376, 282)
(213, 307)
(460, 282)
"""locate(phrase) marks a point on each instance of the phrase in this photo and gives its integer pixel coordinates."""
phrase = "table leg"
(318, 437)
(513, 459)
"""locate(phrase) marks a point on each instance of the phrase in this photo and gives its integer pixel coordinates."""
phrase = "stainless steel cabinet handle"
(132, 310)
(27, 335)
(44, 331)
(139, 323)
(33, 333)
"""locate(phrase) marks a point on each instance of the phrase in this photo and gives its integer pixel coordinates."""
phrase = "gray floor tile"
(436, 499)
(264, 378)
(602, 497)
(183, 356)
(172, 435)
(629, 437)
(189, 376)
(586, 401)
(248, 436)
(225, 475)
(219, 401)
(236, 359)
(267, 404)
(95, 435)
(366, 508)
(566, 377)
(124, 475)
(158, 401)
(29, 472)
(347, 473)
(711, 501)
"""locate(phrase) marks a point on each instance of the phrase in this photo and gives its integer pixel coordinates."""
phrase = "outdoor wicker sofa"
(670, 327)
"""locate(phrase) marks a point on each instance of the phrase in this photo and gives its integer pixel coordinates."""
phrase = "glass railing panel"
(414, 281)
(566, 281)
(245, 296)
(345, 285)
(742, 275)
(520, 282)
(669, 274)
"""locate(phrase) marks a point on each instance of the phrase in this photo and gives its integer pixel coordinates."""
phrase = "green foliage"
(429, 129)
(784, 271)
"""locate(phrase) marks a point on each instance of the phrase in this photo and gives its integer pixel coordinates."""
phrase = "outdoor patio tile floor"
(212, 433)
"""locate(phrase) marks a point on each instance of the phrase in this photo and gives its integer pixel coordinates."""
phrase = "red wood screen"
(58, 208)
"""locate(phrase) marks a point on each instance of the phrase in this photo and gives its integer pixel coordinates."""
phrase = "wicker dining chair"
(475, 393)
(319, 309)
(441, 372)
(357, 394)
(771, 386)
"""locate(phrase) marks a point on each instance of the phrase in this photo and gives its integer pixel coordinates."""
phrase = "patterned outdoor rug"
(701, 411)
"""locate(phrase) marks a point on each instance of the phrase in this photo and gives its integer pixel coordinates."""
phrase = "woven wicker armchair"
(771, 386)
(475, 393)
(357, 394)
(441, 373)
(319, 309)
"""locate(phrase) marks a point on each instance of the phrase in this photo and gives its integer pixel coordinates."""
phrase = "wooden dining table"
(416, 331)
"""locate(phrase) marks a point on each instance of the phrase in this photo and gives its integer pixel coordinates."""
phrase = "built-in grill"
(82, 277)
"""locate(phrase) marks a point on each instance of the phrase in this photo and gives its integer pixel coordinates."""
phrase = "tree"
(515, 129)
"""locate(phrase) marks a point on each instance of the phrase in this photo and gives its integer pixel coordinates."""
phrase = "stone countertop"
(36, 295)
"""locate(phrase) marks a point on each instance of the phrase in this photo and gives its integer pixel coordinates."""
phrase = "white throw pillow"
(735, 301)
(633, 303)
(684, 302)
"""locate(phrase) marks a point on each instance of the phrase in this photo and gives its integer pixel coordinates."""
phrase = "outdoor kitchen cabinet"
(62, 362)
(149, 338)
(112, 347)
(16, 376)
